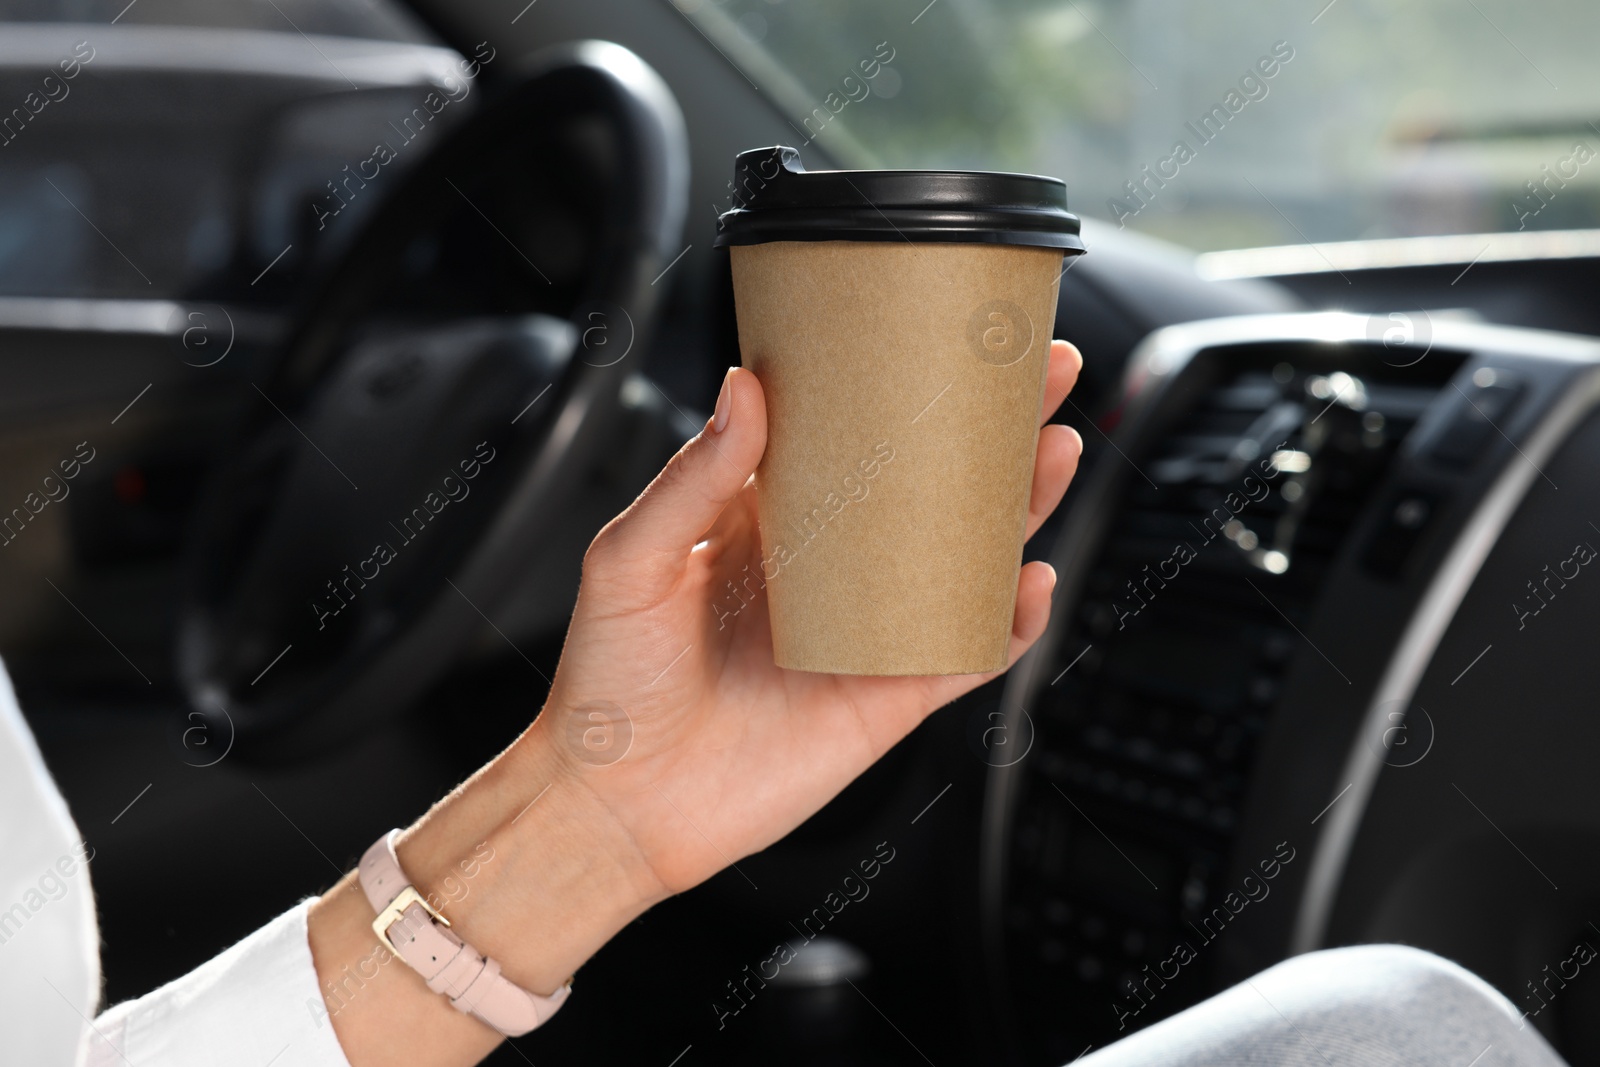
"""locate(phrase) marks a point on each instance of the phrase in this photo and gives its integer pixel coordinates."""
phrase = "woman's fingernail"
(719, 420)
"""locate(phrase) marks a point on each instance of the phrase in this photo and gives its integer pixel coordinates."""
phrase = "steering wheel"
(387, 485)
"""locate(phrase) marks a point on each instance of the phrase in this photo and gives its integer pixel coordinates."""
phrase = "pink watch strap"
(421, 937)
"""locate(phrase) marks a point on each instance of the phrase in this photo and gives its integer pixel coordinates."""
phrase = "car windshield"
(1227, 124)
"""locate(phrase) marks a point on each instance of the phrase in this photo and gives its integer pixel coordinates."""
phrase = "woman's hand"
(669, 747)
(669, 708)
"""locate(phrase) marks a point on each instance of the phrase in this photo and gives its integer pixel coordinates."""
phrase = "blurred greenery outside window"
(1378, 118)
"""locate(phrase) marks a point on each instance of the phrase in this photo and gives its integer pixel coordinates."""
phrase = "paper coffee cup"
(900, 324)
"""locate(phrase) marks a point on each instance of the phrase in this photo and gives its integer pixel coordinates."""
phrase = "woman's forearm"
(550, 850)
(530, 868)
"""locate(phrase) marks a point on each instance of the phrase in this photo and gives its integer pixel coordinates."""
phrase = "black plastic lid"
(778, 200)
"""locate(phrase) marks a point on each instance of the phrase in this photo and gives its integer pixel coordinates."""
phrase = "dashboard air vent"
(1146, 726)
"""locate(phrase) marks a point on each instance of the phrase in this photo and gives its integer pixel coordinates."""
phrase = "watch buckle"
(395, 911)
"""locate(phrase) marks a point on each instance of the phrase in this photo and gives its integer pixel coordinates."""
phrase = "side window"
(142, 146)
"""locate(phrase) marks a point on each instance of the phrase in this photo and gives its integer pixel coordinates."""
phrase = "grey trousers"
(1372, 1004)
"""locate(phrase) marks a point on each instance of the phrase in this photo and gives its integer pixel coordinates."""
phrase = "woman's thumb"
(680, 505)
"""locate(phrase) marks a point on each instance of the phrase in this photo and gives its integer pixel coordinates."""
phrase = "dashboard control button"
(1474, 422)
(1404, 519)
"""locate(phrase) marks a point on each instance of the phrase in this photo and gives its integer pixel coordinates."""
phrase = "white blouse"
(256, 1004)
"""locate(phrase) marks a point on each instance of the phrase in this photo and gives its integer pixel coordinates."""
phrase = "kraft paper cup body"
(904, 384)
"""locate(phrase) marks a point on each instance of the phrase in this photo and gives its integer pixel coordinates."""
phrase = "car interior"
(270, 268)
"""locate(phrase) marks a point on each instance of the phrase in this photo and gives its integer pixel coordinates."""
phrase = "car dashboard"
(1285, 583)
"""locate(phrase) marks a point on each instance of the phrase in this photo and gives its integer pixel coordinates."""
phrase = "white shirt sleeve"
(256, 1003)
(49, 947)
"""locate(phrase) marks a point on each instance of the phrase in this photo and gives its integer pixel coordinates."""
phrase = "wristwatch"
(414, 930)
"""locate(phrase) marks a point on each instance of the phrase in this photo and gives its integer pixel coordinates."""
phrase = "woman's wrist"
(529, 867)
(529, 864)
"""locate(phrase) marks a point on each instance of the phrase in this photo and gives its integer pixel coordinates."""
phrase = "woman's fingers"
(1035, 585)
(654, 535)
(1065, 363)
(652, 538)
(1060, 448)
